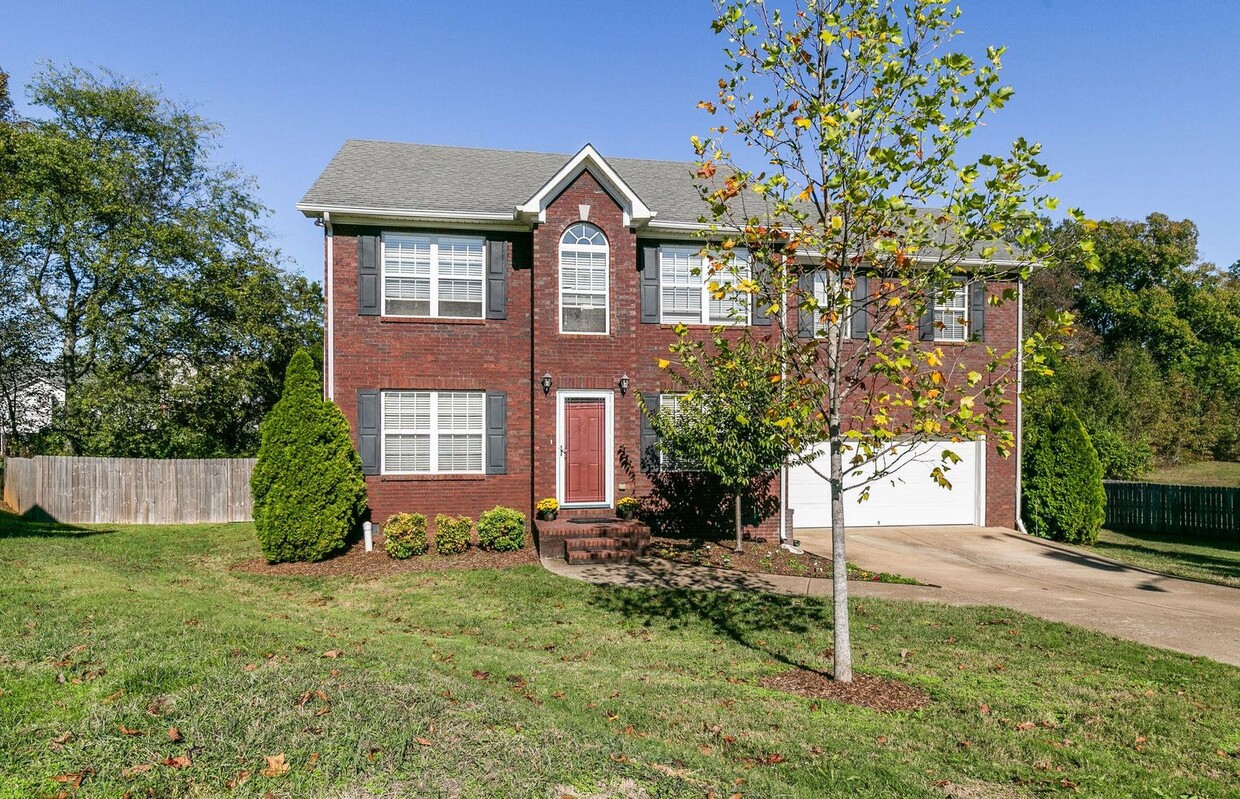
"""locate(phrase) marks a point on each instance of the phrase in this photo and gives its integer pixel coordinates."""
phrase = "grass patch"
(519, 683)
(1205, 473)
(1210, 560)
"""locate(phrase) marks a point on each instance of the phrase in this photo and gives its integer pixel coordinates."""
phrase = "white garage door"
(909, 498)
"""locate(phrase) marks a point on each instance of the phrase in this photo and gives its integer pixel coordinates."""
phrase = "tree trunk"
(839, 566)
(739, 527)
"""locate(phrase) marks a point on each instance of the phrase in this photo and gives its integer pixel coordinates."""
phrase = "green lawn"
(1211, 560)
(519, 683)
(1206, 473)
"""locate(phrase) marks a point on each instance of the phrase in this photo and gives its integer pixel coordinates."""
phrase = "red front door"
(585, 444)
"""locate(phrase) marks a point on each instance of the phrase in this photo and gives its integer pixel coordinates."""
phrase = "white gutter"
(329, 330)
(1020, 388)
(407, 213)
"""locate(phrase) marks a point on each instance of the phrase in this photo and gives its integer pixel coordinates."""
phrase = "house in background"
(493, 315)
(28, 399)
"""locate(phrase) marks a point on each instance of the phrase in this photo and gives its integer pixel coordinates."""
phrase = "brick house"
(492, 316)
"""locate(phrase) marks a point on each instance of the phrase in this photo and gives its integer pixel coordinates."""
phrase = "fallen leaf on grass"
(174, 735)
(984, 708)
(314, 758)
(424, 742)
(128, 730)
(58, 743)
(333, 653)
(276, 766)
(75, 778)
(250, 667)
(1025, 725)
(241, 778)
(134, 771)
(107, 700)
(481, 675)
(179, 761)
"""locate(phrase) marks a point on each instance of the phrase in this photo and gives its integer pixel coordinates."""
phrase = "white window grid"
(951, 318)
(444, 272)
(686, 295)
(433, 432)
(584, 255)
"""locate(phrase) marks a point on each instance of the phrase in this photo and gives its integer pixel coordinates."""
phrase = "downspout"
(1020, 390)
(329, 350)
(784, 537)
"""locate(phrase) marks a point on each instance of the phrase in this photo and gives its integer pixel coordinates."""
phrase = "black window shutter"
(497, 280)
(977, 310)
(497, 433)
(368, 429)
(368, 275)
(762, 301)
(650, 285)
(807, 322)
(649, 439)
(927, 318)
(860, 307)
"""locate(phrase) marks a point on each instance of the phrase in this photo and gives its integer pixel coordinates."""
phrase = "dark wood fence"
(129, 490)
(1172, 509)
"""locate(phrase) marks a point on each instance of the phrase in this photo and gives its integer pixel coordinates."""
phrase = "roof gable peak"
(587, 159)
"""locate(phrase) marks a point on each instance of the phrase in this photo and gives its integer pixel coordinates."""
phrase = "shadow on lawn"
(14, 526)
(1222, 567)
(737, 608)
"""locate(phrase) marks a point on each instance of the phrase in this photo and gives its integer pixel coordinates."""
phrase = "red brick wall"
(512, 355)
(373, 352)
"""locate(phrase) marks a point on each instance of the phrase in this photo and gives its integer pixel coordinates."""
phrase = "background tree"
(148, 264)
(1155, 376)
(727, 420)
(309, 493)
(850, 196)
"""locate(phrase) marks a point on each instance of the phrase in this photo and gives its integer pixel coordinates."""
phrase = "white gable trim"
(587, 159)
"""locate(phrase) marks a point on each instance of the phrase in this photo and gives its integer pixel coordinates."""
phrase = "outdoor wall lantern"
(624, 384)
(546, 383)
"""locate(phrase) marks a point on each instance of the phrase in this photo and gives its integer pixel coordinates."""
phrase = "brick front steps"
(594, 542)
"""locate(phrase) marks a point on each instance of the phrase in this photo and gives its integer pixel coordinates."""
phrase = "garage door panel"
(910, 497)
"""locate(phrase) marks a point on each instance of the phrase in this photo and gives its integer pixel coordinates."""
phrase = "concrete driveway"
(994, 566)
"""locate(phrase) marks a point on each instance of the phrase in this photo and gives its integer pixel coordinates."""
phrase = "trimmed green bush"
(501, 529)
(1063, 495)
(452, 534)
(404, 535)
(308, 490)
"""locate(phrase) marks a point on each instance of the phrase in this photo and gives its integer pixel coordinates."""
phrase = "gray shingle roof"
(424, 177)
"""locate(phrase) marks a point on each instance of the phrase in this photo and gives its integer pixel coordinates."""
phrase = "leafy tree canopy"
(850, 194)
(729, 421)
(145, 265)
(1157, 355)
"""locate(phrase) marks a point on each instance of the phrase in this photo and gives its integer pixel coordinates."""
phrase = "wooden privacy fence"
(1172, 509)
(129, 490)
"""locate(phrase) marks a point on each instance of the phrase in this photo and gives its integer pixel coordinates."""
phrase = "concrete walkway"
(987, 566)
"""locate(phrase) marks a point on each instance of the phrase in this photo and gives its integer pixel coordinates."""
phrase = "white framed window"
(433, 276)
(951, 317)
(433, 432)
(583, 280)
(687, 288)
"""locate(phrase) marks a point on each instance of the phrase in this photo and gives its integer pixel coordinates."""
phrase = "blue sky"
(1136, 102)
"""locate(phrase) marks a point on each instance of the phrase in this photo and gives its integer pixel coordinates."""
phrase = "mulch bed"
(763, 557)
(357, 562)
(875, 693)
(756, 556)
